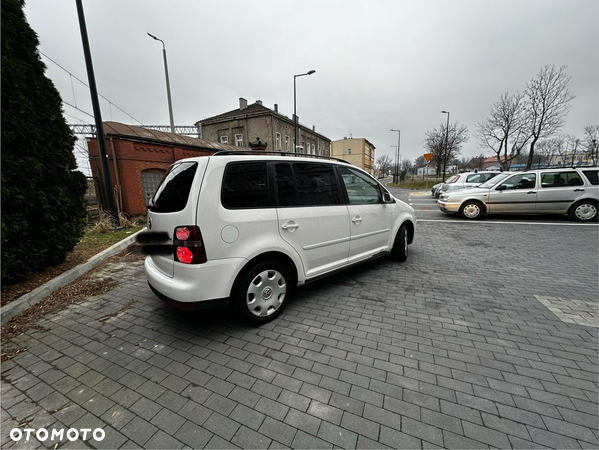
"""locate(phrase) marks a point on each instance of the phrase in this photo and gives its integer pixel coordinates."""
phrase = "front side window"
(520, 181)
(173, 192)
(245, 186)
(305, 184)
(360, 188)
(224, 139)
(592, 175)
(239, 140)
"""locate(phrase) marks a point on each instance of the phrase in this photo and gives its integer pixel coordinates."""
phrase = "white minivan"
(249, 228)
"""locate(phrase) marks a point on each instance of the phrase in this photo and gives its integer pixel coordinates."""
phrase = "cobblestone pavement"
(454, 348)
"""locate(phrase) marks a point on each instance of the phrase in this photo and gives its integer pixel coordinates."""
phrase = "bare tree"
(553, 149)
(384, 163)
(548, 101)
(591, 142)
(445, 143)
(505, 131)
(420, 162)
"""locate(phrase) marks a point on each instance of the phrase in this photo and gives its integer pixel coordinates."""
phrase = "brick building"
(244, 124)
(142, 158)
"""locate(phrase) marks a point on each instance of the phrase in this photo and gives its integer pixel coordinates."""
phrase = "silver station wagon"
(572, 191)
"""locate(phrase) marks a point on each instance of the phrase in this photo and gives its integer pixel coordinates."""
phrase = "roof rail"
(262, 152)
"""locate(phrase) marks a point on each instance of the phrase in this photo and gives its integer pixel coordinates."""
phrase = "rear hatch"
(174, 204)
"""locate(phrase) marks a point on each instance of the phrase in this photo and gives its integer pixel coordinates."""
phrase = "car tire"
(584, 211)
(400, 245)
(262, 292)
(472, 210)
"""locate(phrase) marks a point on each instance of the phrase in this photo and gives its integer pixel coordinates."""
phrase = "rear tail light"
(189, 245)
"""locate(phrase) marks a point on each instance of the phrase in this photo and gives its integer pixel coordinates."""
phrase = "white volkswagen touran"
(250, 228)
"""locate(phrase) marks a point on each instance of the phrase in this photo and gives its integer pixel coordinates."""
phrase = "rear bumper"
(219, 303)
(193, 283)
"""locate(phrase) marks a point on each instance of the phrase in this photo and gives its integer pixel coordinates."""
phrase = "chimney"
(259, 102)
(243, 103)
(313, 127)
(276, 108)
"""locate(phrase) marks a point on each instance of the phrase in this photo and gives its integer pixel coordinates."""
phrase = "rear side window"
(245, 186)
(173, 192)
(560, 179)
(476, 178)
(592, 175)
(305, 184)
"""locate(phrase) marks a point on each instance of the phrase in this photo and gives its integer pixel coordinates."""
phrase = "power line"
(78, 109)
(86, 85)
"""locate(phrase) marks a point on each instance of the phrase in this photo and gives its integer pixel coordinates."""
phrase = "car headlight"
(444, 198)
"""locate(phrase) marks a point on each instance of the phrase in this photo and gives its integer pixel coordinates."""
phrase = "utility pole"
(446, 153)
(112, 208)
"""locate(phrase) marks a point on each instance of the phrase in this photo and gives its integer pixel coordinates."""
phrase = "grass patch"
(95, 237)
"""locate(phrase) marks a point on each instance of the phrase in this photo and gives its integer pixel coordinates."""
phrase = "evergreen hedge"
(43, 205)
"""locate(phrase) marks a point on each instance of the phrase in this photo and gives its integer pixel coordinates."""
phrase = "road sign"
(428, 156)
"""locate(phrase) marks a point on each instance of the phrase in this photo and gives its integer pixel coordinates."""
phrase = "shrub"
(43, 206)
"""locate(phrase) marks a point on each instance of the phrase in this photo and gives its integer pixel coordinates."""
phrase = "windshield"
(496, 179)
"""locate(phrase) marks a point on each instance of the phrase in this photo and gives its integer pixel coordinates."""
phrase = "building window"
(349, 151)
(239, 140)
(224, 139)
(150, 180)
(313, 149)
(278, 147)
(286, 143)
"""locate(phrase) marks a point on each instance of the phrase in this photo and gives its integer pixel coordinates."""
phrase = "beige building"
(245, 124)
(358, 151)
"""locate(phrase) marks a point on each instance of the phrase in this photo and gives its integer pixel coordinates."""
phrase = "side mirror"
(150, 205)
(387, 198)
(502, 187)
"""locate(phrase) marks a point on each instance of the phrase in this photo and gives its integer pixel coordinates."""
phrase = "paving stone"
(280, 431)
(452, 440)
(337, 436)
(422, 431)
(139, 431)
(163, 440)
(303, 421)
(247, 438)
(272, 408)
(486, 435)
(362, 426)
(396, 439)
(167, 421)
(304, 441)
(247, 416)
(193, 435)
(550, 439)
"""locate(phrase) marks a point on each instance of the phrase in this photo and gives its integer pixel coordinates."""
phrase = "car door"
(370, 218)
(516, 194)
(312, 217)
(559, 190)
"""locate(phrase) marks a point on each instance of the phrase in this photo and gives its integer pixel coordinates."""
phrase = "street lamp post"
(310, 72)
(397, 158)
(168, 85)
(446, 153)
(395, 154)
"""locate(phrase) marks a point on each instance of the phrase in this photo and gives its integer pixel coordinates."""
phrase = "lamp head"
(152, 36)
(310, 72)
(445, 112)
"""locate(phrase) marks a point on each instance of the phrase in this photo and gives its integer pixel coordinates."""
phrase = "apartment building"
(358, 151)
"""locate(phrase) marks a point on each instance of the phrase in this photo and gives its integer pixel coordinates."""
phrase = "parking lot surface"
(486, 337)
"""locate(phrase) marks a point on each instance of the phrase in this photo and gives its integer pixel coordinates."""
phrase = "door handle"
(357, 220)
(290, 226)
(578, 190)
(531, 192)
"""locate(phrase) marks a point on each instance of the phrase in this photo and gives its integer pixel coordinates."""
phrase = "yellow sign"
(428, 156)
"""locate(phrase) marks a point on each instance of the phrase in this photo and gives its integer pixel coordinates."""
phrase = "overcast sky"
(379, 64)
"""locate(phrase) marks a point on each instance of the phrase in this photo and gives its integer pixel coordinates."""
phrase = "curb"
(38, 294)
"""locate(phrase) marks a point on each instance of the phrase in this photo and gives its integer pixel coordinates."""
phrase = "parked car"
(248, 229)
(467, 180)
(573, 191)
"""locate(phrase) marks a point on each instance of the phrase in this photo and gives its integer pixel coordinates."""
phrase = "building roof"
(144, 134)
(255, 109)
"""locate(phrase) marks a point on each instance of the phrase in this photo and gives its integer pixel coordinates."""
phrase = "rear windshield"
(173, 192)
